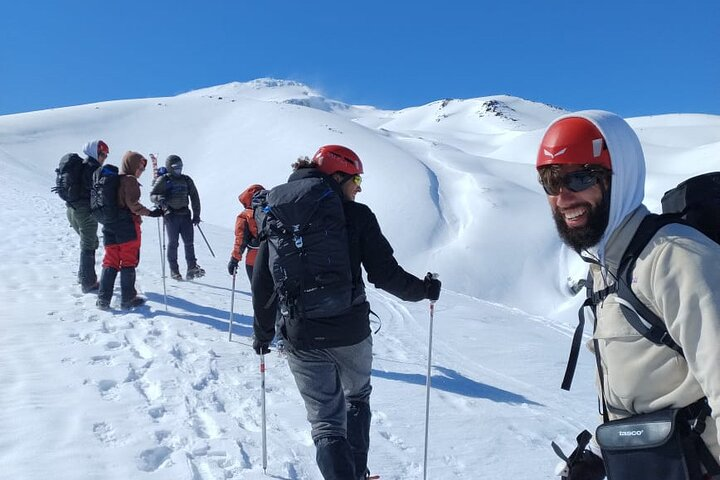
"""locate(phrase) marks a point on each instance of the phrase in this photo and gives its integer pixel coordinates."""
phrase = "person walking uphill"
(122, 237)
(80, 217)
(170, 192)
(316, 238)
(246, 233)
(592, 168)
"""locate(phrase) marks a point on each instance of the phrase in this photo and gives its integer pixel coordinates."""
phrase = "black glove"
(432, 287)
(196, 220)
(586, 466)
(582, 463)
(232, 265)
(157, 212)
(261, 347)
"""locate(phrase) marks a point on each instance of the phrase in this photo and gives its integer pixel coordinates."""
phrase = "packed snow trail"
(163, 395)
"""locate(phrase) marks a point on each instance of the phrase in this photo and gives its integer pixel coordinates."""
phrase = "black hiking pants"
(179, 225)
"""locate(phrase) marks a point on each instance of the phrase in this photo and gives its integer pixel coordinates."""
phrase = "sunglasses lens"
(550, 188)
(579, 181)
(575, 181)
(357, 179)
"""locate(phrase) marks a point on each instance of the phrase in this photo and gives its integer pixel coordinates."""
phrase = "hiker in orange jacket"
(246, 233)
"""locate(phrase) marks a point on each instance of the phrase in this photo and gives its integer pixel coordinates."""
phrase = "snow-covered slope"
(162, 394)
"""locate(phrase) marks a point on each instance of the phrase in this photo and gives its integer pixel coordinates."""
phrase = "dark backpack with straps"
(68, 178)
(308, 252)
(104, 194)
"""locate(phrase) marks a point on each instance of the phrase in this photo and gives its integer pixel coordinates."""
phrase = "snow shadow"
(213, 317)
(453, 382)
(225, 289)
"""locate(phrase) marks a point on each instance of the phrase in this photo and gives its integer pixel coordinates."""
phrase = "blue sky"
(631, 57)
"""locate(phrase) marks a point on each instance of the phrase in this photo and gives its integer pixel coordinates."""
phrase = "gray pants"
(85, 225)
(330, 378)
(335, 386)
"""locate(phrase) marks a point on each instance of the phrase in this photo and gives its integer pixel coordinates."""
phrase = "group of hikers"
(122, 235)
(653, 287)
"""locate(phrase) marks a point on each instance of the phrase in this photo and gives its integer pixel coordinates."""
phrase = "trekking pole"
(206, 242)
(161, 237)
(161, 244)
(264, 423)
(232, 306)
(427, 389)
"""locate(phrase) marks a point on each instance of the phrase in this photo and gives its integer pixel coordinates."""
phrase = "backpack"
(176, 191)
(303, 222)
(694, 202)
(68, 178)
(104, 194)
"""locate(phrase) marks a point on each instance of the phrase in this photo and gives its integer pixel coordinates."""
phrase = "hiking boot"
(107, 284)
(133, 302)
(86, 274)
(91, 288)
(195, 272)
(175, 275)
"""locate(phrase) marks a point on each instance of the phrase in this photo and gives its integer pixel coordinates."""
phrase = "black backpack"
(303, 222)
(68, 178)
(104, 194)
(694, 202)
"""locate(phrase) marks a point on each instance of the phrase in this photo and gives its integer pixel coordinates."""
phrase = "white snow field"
(160, 393)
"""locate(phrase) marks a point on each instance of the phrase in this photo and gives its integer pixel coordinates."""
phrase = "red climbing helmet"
(573, 141)
(336, 158)
(102, 147)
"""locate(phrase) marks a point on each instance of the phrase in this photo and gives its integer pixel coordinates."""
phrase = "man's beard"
(582, 238)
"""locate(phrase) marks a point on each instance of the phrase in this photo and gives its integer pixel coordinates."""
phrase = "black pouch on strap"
(650, 446)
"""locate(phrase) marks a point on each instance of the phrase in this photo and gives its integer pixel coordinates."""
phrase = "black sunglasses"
(577, 181)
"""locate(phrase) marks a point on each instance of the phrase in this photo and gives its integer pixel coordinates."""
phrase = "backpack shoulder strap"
(636, 312)
(638, 315)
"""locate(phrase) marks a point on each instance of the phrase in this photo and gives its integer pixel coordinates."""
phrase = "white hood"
(628, 166)
(91, 149)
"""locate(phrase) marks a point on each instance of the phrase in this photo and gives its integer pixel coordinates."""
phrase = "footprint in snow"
(100, 360)
(153, 458)
(113, 345)
(107, 389)
(105, 433)
(156, 412)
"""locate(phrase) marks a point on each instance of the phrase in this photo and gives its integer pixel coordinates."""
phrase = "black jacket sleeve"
(194, 197)
(377, 257)
(263, 293)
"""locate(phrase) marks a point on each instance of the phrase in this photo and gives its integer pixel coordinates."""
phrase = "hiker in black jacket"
(175, 193)
(331, 358)
(81, 219)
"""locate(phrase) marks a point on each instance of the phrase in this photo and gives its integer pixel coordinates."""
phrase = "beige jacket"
(678, 277)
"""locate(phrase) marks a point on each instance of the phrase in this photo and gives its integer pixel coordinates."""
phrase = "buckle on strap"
(601, 295)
